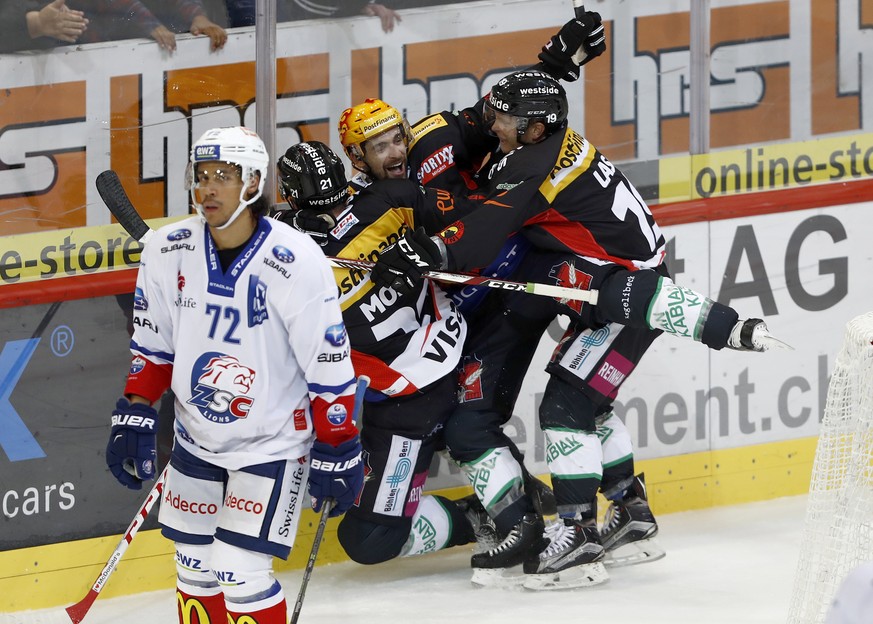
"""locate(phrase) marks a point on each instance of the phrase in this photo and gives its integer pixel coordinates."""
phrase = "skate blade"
(769, 342)
(642, 551)
(498, 577)
(586, 575)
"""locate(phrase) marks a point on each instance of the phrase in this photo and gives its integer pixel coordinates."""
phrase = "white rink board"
(767, 397)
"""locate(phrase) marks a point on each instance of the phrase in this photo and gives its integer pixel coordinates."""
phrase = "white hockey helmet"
(236, 145)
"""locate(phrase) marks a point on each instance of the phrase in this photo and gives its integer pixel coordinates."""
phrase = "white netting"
(838, 533)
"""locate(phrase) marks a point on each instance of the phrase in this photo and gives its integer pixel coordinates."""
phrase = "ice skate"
(500, 566)
(572, 559)
(629, 528)
(753, 335)
(483, 526)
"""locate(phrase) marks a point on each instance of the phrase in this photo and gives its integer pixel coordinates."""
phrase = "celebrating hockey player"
(589, 228)
(408, 344)
(238, 315)
(445, 150)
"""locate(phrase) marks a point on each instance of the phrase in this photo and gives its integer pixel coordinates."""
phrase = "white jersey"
(257, 351)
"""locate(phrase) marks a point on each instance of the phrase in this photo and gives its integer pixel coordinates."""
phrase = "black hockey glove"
(578, 42)
(317, 224)
(403, 265)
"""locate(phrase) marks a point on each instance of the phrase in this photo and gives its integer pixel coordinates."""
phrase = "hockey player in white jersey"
(237, 314)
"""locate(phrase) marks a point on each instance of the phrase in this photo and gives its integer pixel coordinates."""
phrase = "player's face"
(218, 188)
(385, 154)
(505, 128)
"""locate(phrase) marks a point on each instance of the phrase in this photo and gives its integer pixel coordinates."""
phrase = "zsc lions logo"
(283, 254)
(336, 335)
(178, 235)
(219, 387)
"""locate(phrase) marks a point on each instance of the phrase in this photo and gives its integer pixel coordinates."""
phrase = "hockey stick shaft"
(578, 8)
(360, 389)
(78, 611)
(534, 288)
(115, 198)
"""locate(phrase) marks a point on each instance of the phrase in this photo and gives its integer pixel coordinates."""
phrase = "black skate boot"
(572, 558)
(524, 540)
(483, 525)
(629, 528)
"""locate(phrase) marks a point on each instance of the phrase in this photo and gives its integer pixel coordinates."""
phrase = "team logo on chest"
(220, 385)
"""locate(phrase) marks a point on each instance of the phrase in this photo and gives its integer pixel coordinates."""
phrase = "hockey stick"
(78, 611)
(360, 389)
(534, 288)
(115, 198)
(579, 12)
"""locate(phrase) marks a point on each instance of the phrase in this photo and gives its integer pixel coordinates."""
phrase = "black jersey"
(402, 342)
(564, 196)
(448, 148)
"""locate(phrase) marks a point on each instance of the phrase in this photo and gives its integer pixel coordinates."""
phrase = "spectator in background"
(29, 25)
(131, 19)
(242, 12)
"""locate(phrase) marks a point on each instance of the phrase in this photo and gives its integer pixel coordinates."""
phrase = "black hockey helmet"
(530, 95)
(312, 176)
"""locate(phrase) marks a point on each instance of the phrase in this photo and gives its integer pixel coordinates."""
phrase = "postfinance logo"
(16, 439)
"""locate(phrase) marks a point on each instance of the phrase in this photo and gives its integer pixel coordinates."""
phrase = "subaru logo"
(336, 334)
(283, 254)
(179, 235)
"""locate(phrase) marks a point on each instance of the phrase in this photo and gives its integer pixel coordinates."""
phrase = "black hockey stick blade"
(116, 199)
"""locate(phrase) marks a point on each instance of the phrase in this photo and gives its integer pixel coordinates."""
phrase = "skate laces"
(510, 541)
(613, 517)
(560, 535)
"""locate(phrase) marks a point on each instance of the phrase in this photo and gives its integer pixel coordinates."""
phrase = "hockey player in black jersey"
(409, 345)
(590, 229)
(445, 150)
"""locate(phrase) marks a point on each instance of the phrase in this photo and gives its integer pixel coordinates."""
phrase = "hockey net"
(838, 532)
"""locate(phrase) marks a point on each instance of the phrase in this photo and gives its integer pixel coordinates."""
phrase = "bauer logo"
(336, 335)
(220, 385)
(337, 414)
(139, 301)
(180, 234)
(207, 152)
